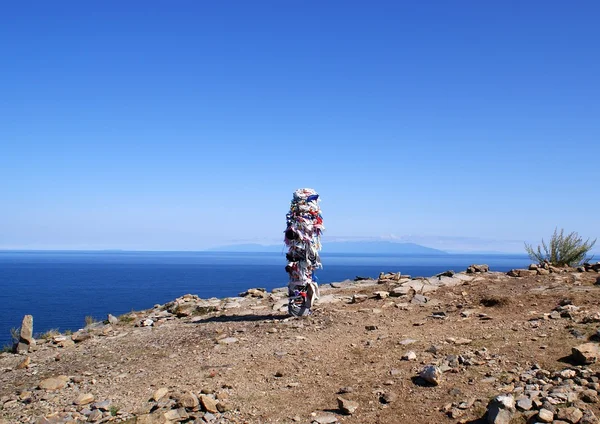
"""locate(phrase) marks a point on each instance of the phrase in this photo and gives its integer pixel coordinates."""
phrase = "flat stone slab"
(428, 288)
(462, 277)
(325, 418)
(328, 298)
(417, 285)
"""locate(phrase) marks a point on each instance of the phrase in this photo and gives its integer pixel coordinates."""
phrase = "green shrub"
(48, 334)
(569, 250)
(15, 334)
(126, 318)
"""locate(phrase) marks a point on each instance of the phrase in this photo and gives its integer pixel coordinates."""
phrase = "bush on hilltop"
(569, 250)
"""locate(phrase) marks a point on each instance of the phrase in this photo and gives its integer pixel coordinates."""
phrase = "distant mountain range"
(366, 247)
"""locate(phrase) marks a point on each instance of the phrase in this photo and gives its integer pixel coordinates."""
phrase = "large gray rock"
(501, 409)
(402, 291)
(428, 288)
(419, 299)
(26, 339)
(586, 353)
(524, 404)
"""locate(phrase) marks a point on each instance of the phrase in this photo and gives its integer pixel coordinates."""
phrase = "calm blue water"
(61, 288)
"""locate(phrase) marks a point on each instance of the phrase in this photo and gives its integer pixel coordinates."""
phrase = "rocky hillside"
(471, 347)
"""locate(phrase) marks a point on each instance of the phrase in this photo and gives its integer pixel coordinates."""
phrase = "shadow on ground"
(241, 318)
(568, 360)
(418, 381)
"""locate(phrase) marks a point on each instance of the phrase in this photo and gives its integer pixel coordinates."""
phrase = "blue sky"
(465, 125)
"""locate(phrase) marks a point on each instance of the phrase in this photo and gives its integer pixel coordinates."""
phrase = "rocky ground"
(463, 348)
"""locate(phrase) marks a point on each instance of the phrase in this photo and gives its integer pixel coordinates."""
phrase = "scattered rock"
(381, 294)
(84, 399)
(571, 414)
(259, 292)
(209, 404)
(589, 396)
(325, 418)
(81, 336)
(431, 374)
(459, 341)
(54, 383)
(409, 356)
(224, 406)
(389, 397)
(521, 273)
(361, 278)
(160, 393)
(347, 407)
(419, 299)
(392, 276)
(588, 417)
(177, 415)
(146, 323)
(524, 404)
(401, 291)
(501, 409)
(95, 415)
(102, 406)
(545, 415)
(586, 353)
(155, 418)
(188, 400)
(478, 269)
(24, 363)
(358, 298)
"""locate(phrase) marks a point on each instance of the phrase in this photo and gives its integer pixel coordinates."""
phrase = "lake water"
(61, 288)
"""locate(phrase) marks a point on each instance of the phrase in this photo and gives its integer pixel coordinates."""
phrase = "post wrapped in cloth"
(303, 238)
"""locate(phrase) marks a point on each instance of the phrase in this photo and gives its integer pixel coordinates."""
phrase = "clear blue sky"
(184, 125)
